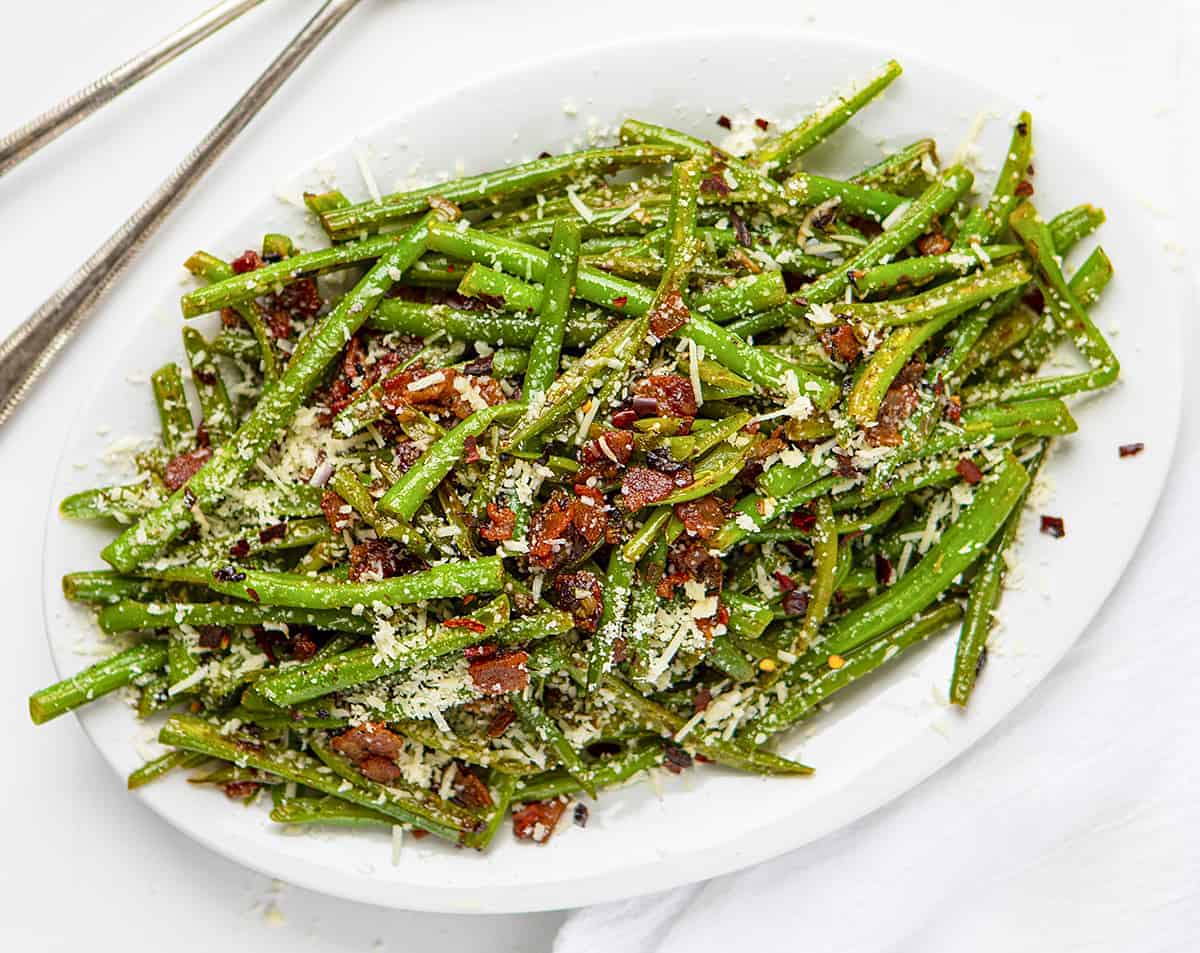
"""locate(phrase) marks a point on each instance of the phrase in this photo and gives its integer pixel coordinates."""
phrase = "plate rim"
(721, 857)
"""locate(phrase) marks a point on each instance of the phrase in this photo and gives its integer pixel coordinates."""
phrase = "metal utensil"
(29, 350)
(21, 143)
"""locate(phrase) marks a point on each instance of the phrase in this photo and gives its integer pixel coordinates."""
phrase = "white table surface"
(86, 865)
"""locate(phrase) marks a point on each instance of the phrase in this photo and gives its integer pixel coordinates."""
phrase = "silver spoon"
(28, 351)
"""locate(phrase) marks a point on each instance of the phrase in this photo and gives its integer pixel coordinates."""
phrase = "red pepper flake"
(762, 124)
(536, 821)
(501, 674)
(724, 122)
(1053, 526)
(249, 260)
(1130, 449)
(883, 569)
(253, 594)
(969, 470)
(620, 301)
(473, 625)
(472, 653)
(1024, 189)
(804, 520)
(182, 468)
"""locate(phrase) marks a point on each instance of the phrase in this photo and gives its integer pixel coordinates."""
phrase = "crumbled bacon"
(471, 450)
(238, 790)
(969, 470)
(675, 759)
(500, 722)
(379, 770)
(500, 525)
(579, 594)
(501, 673)
(689, 560)
(376, 559)
(332, 506)
(761, 123)
(701, 699)
(786, 582)
(481, 366)
(702, 517)
(669, 315)
(804, 520)
(1130, 449)
(1024, 189)
(604, 456)
(842, 343)
(935, 243)
(369, 738)
(183, 467)
(271, 533)
(642, 486)
(724, 122)
(213, 637)
(470, 791)
(898, 404)
(715, 183)
(565, 528)
(620, 301)
(1054, 526)
(536, 821)
(883, 569)
(672, 394)
(435, 392)
(240, 549)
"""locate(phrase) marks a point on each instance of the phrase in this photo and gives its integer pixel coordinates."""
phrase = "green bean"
(127, 615)
(828, 118)
(105, 587)
(982, 599)
(960, 545)
(912, 166)
(195, 734)
(538, 723)
(216, 409)
(618, 583)
(719, 467)
(164, 764)
(607, 773)
(121, 503)
(746, 618)
(271, 415)
(213, 270)
(427, 321)
(984, 224)
(952, 298)
(736, 297)
(925, 268)
(350, 488)
(825, 575)
(546, 350)
(1074, 225)
(178, 430)
(805, 697)
(487, 188)
(725, 656)
(96, 680)
(328, 810)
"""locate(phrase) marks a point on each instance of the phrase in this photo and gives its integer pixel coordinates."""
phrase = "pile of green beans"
(612, 461)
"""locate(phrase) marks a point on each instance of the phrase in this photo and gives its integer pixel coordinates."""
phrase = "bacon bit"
(581, 815)
(620, 650)
(740, 231)
(228, 574)
(953, 409)
(473, 653)
(470, 791)
(669, 316)
(1130, 449)
(565, 528)
(271, 533)
(724, 122)
(369, 738)
(701, 700)
(795, 602)
(842, 343)
(182, 468)
(786, 582)
(379, 770)
(1034, 299)
(249, 260)
(501, 523)
(1054, 526)
(969, 470)
(304, 646)
(762, 124)
(844, 465)
(620, 301)
(675, 759)
(589, 513)
(500, 722)
(501, 673)
(536, 821)
(935, 243)
(213, 637)
(642, 486)
(689, 559)
(702, 517)
(471, 450)
(715, 184)
(238, 790)
(406, 455)
(376, 559)
(579, 594)
(835, 661)
(1024, 189)
(883, 569)
(240, 549)
(898, 404)
(332, 506)
(672, 394)
(435, 392)
(604, 456)
(462, 622)
(804, 520)
(480, 366)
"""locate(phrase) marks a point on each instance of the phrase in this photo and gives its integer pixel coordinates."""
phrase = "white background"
(1073, 867)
